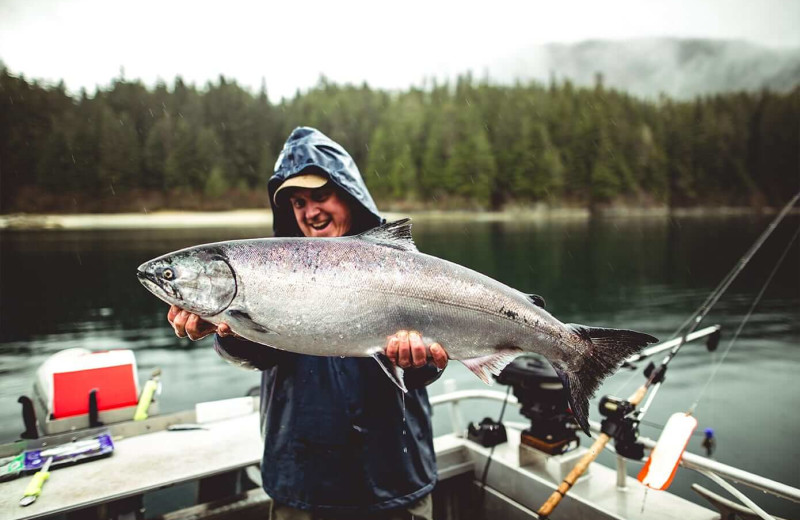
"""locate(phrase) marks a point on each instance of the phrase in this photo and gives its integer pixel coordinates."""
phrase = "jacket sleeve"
(246, 354)
(422, 376)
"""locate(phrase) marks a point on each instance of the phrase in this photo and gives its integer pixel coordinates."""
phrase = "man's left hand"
(406, 349)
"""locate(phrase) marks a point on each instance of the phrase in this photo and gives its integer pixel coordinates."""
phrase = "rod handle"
(574, 475)
(638, 395)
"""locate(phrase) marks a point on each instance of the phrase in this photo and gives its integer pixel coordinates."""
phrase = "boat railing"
(698, 463)
(667, 345)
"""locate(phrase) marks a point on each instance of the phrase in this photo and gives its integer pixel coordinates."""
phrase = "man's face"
(320, 212)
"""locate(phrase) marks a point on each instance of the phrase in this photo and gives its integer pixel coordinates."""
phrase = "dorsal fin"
(395, 234)
(536, 300)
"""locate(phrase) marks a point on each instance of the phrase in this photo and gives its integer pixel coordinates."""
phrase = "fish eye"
(168, 274)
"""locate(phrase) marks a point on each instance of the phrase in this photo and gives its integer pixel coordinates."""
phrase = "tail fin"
(608, 348)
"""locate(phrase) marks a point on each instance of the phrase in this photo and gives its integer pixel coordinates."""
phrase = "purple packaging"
(70, 453)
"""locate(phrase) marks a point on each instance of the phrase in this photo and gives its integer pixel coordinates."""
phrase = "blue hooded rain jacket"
(339, 437)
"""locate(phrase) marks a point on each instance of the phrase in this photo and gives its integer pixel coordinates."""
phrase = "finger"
(203, 328)
(224, 330)
(391, 348)
(439, 356)
(193, 327)
(403, 350)
(419, 353)
(179, 323)
(206, 328)
(173, 311)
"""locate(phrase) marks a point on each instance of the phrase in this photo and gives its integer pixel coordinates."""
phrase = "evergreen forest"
(469, 144)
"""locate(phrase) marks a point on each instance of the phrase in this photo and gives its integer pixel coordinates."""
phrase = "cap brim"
(309, 180)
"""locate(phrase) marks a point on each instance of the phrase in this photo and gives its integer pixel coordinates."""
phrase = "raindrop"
(405, 450)
(341, 336)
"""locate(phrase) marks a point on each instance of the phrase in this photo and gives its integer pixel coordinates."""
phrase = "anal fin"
(492, 364)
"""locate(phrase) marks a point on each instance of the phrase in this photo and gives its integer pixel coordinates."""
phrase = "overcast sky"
(289, 44)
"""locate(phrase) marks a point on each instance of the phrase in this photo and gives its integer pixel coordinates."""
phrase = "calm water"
(78, 289)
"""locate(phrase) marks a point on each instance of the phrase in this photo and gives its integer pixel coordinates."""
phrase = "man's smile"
(320, 225)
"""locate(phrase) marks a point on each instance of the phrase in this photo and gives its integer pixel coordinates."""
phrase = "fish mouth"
(144, 275)
(154, 285)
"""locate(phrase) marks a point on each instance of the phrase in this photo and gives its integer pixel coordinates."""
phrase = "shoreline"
(263, 217)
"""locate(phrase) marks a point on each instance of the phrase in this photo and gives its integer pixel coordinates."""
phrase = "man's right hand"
(192, 326)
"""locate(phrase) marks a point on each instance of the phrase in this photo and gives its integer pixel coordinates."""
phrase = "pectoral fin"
(394, 372)
(246, 320)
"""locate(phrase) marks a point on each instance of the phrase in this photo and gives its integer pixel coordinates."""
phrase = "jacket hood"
(307, 150)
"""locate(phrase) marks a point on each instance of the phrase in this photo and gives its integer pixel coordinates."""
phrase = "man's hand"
(406, 349)
(193, 326)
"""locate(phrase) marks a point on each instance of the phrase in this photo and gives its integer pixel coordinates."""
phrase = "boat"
(203, 463)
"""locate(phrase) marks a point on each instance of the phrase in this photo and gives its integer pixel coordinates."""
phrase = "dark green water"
(78, 289)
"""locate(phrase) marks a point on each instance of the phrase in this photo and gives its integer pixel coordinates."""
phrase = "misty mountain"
(680, 68)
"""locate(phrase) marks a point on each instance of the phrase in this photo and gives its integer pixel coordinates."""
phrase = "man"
(340, 441)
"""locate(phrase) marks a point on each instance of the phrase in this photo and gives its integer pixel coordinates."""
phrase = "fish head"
(198, 280)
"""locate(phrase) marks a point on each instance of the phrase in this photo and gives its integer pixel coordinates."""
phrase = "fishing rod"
(655, 376)
(622, 416)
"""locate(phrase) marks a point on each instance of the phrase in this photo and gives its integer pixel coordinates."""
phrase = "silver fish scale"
(343, 297)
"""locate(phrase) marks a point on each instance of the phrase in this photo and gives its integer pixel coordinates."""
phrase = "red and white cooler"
(66, 379)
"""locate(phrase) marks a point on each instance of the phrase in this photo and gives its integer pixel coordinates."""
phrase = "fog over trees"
(681, 68)
(462, 144)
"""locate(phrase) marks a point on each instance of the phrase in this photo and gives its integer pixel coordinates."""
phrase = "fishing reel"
(543, 400)
(621, 426)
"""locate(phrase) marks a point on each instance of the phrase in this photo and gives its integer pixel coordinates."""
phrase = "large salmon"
(343, 296)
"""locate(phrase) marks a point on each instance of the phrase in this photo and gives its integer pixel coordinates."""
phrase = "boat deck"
(519, 480)
(140, 464)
